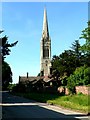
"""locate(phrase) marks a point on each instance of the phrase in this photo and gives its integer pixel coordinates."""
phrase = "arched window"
(46, 52)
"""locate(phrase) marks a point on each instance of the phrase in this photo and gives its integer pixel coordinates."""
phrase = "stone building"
(45, 56)
(45, 48)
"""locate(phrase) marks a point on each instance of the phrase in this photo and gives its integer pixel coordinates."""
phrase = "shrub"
(71, 84)
(81, 76)
(11, 86)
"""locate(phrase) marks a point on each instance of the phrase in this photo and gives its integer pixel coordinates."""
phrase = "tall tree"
(76, 48)
(86, 35)
(6, 70)
(6, 75)
(5, 47)
(79, 57)
(86, 47)
(64, 63)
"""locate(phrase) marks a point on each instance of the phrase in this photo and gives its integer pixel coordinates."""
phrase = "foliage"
(63, 63)
(42, 73)
(66, 63)
(81, 76)
(77, 59)
(38, 74)
(86, 47)
(71, 84)
(19, 88)
(55, 74)
(86, 35)
(6, 70)
(5, 47)
(75, 102)
(76, 49)
(11, 86)
(87, 76)
(6, 75)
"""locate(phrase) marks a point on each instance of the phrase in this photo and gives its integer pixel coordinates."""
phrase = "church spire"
(45, 48)
(45, 25)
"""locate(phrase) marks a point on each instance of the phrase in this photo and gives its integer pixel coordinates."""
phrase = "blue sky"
(23, 21)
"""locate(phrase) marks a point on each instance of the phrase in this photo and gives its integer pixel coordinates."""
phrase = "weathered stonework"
(79, 89)
(45, 48)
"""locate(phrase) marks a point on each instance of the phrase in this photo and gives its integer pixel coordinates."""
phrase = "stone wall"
(82, 89)
(79, 89)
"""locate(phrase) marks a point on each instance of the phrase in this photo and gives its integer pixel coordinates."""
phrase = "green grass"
(75, 102)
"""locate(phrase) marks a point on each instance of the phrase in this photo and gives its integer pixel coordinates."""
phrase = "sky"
(23, 22)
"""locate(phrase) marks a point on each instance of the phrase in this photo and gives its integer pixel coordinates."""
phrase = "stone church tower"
(45, 48)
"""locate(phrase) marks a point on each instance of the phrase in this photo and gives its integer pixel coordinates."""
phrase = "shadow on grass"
(70, 101)
(32, 97)
(39, 96)
(29, 109)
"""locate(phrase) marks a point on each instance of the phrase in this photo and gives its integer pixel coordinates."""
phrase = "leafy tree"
(79, 57)
(86, 35)
(11, 86)
(6, 70)
(86, 47)
(64, 63)
(6, 75)
(67, 62)
(55, 62)
(81, 76)
(76, 49)
(38, 74)
(5, 46)
(71, 84)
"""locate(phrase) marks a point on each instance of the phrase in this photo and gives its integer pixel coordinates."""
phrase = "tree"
(6, 75)
(64, 64)
(76, 49)
(5, 46)
(6, 70)
(67, 62)
(86, 47)
(79, 57)
(81, 76)
(86, 35)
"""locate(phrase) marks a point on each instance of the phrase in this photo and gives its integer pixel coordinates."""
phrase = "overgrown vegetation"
(75, 102)
(73, 65)
(81, 76)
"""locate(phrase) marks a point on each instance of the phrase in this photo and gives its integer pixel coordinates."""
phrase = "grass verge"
(74, 102)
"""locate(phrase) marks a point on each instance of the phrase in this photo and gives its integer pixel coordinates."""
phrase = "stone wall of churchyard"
(79, 89)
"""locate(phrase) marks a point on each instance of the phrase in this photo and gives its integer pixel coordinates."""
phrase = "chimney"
(27, 74)
(19, 79)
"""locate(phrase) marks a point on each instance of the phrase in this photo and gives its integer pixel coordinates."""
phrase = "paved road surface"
(21, 108)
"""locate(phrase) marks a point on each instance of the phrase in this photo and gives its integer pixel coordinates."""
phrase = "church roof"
(30, 79)
(34, 79)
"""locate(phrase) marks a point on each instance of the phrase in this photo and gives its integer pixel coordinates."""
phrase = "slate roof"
(34, 79)
(30, 79)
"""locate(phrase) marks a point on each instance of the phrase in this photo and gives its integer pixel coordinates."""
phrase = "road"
(15, 107)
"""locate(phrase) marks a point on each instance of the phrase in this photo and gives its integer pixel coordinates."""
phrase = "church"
(45, 56)
(45, 49)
